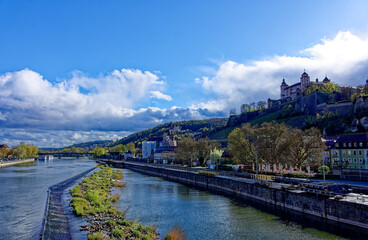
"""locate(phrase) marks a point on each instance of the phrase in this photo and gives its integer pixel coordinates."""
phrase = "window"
(360, 152)
(355, 160)
(355, 144)
(344, 159)
(360, 160)
(344, 144)
(360, 144)
(349, 160)
(344, 152)
(349, 144)
(349, 152)
(337, 144)
(354, 152)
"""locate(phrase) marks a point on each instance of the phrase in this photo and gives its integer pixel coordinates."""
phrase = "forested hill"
(92, 144)
(187, 129)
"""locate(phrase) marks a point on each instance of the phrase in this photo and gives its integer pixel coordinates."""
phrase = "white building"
(148, 147)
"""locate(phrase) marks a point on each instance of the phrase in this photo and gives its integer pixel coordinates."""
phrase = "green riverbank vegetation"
(20, 151)
(92, 198)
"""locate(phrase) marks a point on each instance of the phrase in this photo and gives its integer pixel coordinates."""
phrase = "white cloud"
(344, 59)
(160, 95)
(84, 108)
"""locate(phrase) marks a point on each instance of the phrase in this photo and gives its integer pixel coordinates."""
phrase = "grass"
(223, 134)
(176, 233)
(92, 197)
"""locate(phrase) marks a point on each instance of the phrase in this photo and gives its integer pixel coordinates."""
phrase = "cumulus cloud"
(79, 107)
(160, 95)
(84, 108)
(343, 58)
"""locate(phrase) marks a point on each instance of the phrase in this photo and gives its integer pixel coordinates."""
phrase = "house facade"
(350, 151)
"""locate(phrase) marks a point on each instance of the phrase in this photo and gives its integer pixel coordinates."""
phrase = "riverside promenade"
(55, 223)
(15, 162)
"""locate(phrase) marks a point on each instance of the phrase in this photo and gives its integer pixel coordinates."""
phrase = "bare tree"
(306, 145)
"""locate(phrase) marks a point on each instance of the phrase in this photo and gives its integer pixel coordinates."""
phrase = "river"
(204, 215)
(23, 193)
(153, 201)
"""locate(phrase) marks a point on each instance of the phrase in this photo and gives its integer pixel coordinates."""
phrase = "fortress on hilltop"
(292, 92)
(298, 88)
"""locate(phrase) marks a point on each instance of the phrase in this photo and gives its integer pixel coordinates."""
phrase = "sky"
(76, 71)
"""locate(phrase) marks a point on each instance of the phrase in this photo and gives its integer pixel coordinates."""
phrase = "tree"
(32, 150)
(306, 145)
(98, 151)
(273, 141)
(131, 147)
(241, 146)
(20, 151)
(203, 148)
(216, 155)
(261, 105)
(245, 108)
(118, 149)
(4, 152)
(186, 150)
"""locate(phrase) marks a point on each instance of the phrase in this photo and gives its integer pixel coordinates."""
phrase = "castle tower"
(305, 81)
(282, 89)
(326, 80)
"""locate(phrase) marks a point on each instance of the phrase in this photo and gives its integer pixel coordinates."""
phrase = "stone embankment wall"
(317, 205)
(15, 162)
(55, 222)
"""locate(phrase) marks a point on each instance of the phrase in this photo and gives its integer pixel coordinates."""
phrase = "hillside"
(187, 129)
(92, 144)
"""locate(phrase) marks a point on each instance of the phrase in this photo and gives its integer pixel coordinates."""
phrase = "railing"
(262, 177)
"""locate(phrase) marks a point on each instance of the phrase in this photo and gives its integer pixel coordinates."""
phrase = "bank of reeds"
(92, 199)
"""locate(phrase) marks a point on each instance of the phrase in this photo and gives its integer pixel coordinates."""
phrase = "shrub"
(95, 236)
(115, 198)
(326, 168)
(176, 233)
(117, 232)
(137, 234)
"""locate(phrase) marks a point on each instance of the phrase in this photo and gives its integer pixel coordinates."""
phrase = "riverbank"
(15, 162)
(55, 223)
(92, 199)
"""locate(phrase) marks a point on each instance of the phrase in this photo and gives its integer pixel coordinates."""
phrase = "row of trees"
(253, 106)
(273, 143)
(118, 149)
(20, 151)
(190, 150)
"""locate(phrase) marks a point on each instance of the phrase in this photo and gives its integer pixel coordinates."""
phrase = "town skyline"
(73, 73)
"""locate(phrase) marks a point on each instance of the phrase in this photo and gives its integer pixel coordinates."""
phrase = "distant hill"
(92, 144)
(187, 129)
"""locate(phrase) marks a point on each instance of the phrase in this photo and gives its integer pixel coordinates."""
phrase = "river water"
(23, 192)
(203, 215)
(152, 200)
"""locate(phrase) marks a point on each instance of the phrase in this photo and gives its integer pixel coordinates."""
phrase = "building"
(148, 148)
(4, 146)
(297, 89)
(350, 151)
(165, 154)
(128, 154)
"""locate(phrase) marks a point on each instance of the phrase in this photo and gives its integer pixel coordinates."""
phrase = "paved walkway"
(55, 224)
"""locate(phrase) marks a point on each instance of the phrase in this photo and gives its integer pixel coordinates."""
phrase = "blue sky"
(175, 60)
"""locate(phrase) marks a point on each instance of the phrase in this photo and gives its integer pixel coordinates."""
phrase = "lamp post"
(323, 168)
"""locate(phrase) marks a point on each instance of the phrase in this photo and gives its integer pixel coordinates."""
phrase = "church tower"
(304, 81)
(282, 89)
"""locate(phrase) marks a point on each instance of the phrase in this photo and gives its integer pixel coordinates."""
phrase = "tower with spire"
(282, 89)
(304, 81)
